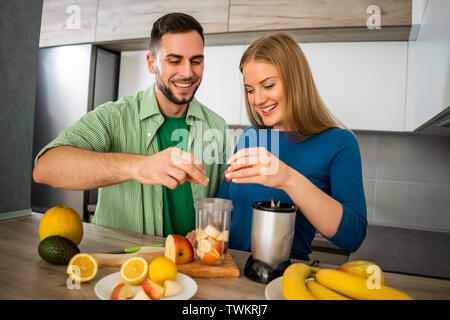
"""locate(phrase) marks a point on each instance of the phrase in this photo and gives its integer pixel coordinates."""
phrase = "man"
(131, 150)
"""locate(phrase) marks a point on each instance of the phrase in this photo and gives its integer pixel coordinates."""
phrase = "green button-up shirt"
(130, 125)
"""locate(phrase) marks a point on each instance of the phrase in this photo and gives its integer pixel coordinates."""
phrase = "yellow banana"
(293, 282)
(323, 293)
(357, 287)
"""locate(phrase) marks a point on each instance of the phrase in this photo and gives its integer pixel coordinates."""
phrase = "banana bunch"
(361, 280)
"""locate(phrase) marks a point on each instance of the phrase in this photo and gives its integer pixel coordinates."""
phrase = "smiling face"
(265, 92)
(178, 68)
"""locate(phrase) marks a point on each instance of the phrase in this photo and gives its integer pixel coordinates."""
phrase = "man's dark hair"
(173, 23)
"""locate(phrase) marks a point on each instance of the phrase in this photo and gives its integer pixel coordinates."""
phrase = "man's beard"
(167, 92)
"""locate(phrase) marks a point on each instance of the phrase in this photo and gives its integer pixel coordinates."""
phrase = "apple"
(362, 268)
(152, 289)
(122, 291)
(221, 247)
(141, 295)
(223, 236)
(211, 257)
(179, 249)
(171, 288)
(211, 231)
(200, 234)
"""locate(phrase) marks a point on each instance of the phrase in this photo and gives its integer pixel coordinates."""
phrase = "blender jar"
(212, 229)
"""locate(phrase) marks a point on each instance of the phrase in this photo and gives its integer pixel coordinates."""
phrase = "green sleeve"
(94, 131)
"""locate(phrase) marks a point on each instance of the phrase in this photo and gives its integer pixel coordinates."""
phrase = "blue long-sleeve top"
(331, 160)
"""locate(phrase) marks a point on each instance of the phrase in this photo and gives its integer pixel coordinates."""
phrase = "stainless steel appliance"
(272, 236)
(71, 81)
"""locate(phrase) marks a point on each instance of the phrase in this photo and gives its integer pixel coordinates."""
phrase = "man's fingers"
(177, 174)
(169, 182)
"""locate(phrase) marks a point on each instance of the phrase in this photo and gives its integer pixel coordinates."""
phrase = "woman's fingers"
(254, 171)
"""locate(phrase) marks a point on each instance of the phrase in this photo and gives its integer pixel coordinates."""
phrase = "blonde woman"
(296, 152)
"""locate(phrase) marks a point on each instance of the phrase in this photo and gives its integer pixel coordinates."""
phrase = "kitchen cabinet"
(339, 17)
(429, 69)
(133, 19)
(362, 83)
(124, 25)
(68, 22)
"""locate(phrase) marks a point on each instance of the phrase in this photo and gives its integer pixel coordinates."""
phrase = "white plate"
(273, 290)
(104, 286)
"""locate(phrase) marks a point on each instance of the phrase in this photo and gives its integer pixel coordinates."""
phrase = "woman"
(296, 152)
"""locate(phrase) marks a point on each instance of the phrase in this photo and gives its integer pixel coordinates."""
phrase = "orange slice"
(82, 267)
(134, 270)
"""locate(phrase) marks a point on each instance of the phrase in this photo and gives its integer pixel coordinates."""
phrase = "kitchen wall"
(406, 176)
(406, 179)
(19, 38)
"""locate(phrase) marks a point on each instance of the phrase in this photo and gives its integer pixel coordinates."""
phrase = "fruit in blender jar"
(211, 244)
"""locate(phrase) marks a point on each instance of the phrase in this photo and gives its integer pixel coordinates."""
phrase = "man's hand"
(171, 167)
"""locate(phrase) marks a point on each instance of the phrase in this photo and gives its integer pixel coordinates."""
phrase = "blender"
(272, 236)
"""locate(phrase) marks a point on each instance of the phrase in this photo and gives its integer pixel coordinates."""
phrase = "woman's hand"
(257, 165)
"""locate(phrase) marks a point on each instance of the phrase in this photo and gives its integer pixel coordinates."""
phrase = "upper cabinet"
(125, 24)
(133, 19)
(251, 15)
(68, 22)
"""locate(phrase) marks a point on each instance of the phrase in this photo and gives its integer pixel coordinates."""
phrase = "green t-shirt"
(178, 205)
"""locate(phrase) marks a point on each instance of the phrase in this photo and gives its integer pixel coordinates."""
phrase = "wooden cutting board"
(194, 269)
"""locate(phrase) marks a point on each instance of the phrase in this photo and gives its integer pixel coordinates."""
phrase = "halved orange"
(82, 267)
(134, 270)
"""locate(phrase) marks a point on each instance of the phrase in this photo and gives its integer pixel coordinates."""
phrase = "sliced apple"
(221, 247)
(122, 291)
(171, 288)
(141, 295)
(211, 231)
(178, 249)
(200, 234)
(205, 246)
(223, 236)
(211, 257)
(152, 289)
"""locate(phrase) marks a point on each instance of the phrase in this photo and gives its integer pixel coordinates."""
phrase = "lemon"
(134, 270)
(162, 269)
(61, 221)
(82, 267)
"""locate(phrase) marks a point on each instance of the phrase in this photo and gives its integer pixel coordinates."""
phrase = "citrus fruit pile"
(156, 280)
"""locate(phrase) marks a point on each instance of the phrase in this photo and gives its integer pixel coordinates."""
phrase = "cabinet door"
(133, 19)
(362, 83)
(251, 15)
(68, 22)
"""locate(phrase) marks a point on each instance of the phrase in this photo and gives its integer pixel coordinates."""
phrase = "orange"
(61, 221)
(162, 269)
(82, 267)
(134, 270)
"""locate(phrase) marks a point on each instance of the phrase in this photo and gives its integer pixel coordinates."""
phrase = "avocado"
(57, 250)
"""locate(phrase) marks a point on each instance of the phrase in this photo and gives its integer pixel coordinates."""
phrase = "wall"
(406, 179)
(405, 175)
(19, 40)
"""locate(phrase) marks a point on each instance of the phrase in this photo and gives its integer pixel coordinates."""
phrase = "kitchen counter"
(408, 251)
(24, 275)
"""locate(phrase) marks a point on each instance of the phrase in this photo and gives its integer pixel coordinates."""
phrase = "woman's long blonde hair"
(305, 114)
